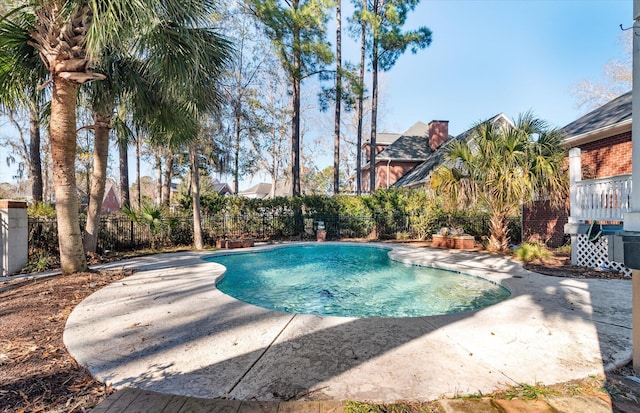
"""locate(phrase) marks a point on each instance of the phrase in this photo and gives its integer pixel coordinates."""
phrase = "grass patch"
(592, 386)
(530, 392)
(399, 407)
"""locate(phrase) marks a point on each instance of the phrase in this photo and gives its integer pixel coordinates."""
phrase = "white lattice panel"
(594, 255)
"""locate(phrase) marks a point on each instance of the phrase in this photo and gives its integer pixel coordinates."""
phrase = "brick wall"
(607, 157)
(396, 171)
(366, 150)
(545, 224)
(600, 159)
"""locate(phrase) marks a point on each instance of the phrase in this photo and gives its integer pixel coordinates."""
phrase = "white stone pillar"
(14, 236)
(632, 218)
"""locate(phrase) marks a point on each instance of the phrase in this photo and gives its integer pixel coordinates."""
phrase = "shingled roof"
(609, 114)
(413, 145)
(385, 138)
(420, 174)
(600, 122)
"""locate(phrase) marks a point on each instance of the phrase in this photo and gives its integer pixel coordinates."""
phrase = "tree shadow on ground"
(174, 332)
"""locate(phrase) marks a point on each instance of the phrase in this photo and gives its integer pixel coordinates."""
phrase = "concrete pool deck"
(168, 329)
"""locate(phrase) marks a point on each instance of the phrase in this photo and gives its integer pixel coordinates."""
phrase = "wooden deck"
(133, 400)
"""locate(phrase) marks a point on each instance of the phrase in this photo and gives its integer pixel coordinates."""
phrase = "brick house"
(599, 146)
(111, 201)
(599, 160)
(420, 176)
(405, 151)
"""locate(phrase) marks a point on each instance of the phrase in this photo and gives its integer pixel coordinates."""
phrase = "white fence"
(603, 199)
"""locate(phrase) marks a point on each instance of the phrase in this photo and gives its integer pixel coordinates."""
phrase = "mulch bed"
(560, 266)
(37, 374)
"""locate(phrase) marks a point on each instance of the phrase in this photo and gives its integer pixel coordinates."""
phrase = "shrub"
(530, 251)
(41, 210)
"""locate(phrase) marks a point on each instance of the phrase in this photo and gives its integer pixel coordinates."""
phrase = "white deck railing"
(603, 199)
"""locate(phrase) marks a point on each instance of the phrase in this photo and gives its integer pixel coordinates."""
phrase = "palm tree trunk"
(198, 243)
(361, 104)
(168, 174)
(35, 162)
(63, 152)
(138, 156)
(125, 198)
(158, 190)
(336, 138)
(498, 232)
(102, 123)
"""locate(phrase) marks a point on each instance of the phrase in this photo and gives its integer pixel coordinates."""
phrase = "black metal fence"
(123, 234)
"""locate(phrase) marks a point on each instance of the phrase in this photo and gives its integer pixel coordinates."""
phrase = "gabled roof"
(420, 174)
(609, 119)
(260, 190)
(384, 138)
(413, 145)
(221, 187)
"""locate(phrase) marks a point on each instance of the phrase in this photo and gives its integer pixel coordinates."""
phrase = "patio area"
(168, 329)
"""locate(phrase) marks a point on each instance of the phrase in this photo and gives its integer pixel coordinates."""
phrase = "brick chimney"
(438, 133)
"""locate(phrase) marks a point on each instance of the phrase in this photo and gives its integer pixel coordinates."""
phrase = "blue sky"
(489, 57)
(505, 56)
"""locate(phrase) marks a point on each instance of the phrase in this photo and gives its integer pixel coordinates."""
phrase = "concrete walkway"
(168, 329)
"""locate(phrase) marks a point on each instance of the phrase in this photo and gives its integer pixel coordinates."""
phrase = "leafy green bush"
(41, 210)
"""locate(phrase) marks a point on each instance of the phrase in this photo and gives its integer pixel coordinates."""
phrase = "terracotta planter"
(225, 243)
(458, 242)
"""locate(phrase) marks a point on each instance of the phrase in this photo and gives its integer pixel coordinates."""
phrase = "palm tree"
(70, 37)
(502, 166)
(21, 76)
(198, 53)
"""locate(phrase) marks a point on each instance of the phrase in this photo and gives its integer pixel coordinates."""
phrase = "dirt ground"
(37, 374)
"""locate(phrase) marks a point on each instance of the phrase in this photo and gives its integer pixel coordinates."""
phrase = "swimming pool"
(350, 281)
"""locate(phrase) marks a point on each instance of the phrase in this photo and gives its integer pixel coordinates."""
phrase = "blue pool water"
(350, 281)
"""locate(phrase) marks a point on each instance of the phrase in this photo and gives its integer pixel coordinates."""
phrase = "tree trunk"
(138, 156)
(360, 105)
(295, 133)
(102, 123)
(168, 175)
(236, 152)
(336, 138)
(35, 161)
(125, 199)
(158, 190)
(195, 197)
(63, 153)
(499, 232)
(46, 180)
(374, 107)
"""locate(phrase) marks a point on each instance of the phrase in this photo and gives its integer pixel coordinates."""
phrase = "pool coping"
(167, 328)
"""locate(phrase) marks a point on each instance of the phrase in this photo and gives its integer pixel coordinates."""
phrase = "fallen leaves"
(37, 373)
